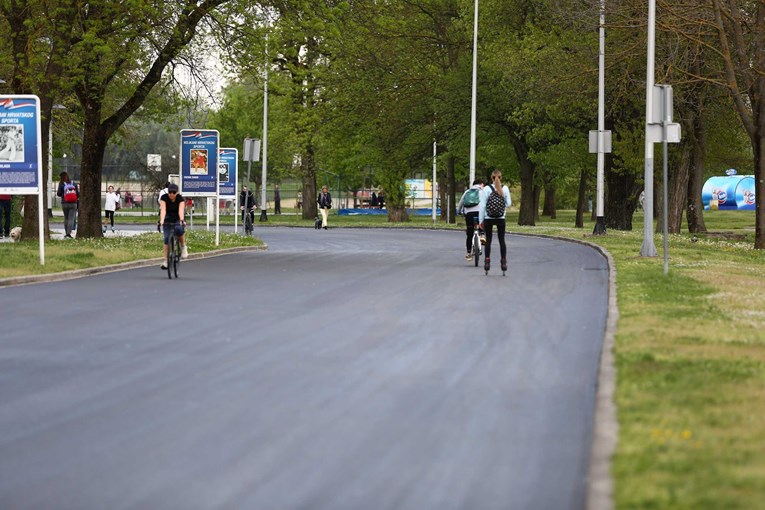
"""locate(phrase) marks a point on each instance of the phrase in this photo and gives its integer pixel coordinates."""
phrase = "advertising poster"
(227, 172)
(20, 152)
(199, 162)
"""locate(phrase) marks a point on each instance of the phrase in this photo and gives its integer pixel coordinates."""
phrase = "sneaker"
(112, 230)
(184, 253)
(503, 264)
(483, 239)
(469, 256)
(486, 264)
(103, 229)
(163, 266)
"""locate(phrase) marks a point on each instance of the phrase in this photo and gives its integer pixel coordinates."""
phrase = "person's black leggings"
(471, 221)
(488, 226)
(109, 215)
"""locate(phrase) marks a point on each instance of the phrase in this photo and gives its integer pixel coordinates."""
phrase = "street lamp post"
(473, 101)
(50, 158)
(649, 247)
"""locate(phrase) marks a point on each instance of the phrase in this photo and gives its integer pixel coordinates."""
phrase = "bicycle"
(248, 227)
(174, 250)
(476, 246)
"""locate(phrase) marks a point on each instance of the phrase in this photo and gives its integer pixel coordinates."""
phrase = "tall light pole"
(263, 213)
(50, 158)
(649, 247)
(473, 103)
(603, 137)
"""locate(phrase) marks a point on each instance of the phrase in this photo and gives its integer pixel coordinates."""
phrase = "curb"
(80, 273)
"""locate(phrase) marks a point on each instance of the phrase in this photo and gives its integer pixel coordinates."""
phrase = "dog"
(16, 234)
(317, 223)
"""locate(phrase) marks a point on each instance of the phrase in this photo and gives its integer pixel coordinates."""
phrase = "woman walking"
(110, 205)
(325, 204)
(495, 199)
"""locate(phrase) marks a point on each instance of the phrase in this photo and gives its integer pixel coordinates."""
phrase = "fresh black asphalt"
(340, 369)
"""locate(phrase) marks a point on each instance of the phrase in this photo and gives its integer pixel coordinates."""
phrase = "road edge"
(81, 273)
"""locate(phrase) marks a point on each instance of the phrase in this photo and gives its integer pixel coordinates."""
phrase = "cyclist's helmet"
(172, 188)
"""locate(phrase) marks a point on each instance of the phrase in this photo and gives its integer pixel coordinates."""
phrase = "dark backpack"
(472, 198)
(70, 192)
(495, 204)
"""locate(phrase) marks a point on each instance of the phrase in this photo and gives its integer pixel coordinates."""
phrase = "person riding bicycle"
(492, 214)
(470, 205)
(247, 199)
(172, 209)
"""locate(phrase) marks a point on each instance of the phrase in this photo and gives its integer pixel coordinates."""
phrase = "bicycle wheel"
(247, 224)
(177, 258)
(171, 256)
(476, 250)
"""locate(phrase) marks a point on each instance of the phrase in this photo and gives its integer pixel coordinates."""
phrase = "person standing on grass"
(5, 216)
(110, 205)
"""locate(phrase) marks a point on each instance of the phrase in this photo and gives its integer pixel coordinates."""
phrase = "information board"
(227, 172)
(199, 162)
(20, 150)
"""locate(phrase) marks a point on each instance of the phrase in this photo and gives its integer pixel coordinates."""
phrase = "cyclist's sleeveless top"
(171, 208)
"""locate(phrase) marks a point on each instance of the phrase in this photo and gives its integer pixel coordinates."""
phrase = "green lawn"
(690, 349)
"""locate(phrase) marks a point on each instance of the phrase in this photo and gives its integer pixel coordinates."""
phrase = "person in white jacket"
(492, 214)
(110, 205)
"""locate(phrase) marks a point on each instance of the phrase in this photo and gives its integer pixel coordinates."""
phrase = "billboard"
(20, 150)
(199, 162)
(227, 172)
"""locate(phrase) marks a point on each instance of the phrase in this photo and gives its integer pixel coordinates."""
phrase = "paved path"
(340, 369)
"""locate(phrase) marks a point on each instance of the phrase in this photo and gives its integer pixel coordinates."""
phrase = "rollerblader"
(495, 199)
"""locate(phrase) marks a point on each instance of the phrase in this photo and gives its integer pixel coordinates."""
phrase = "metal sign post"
(251, 153)
(664, 131)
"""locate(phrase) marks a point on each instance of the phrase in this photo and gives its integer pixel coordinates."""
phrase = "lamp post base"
(600, 226)
(263, 215)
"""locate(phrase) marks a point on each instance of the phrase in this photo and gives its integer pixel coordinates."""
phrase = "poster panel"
(199, 162)
(227, 172)
(20, 150)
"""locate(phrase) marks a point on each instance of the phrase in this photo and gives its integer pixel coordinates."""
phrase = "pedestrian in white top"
(110, 205)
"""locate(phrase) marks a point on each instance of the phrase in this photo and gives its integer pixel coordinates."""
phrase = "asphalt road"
(340, 369)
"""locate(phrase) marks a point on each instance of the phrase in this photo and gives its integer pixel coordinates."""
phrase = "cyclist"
(488, 217)
(247, 199)
(469, 205)
(172, 209)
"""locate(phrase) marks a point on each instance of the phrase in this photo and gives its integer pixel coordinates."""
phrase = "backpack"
(70, 192)
(472, 198)
(495, 204)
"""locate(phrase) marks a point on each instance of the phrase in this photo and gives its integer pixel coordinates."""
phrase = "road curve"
(339, 369)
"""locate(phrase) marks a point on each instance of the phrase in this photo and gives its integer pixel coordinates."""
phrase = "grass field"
(690, 350)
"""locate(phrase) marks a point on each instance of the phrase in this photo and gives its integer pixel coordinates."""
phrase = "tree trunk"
(620, 203)
(697, 164)
(581, 203)
(550, 205)
(527, 212)
(308, 173)
(678, 191)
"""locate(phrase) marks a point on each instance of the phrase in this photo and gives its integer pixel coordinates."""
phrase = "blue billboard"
(227, 172)
(199, 162)
(20, 150)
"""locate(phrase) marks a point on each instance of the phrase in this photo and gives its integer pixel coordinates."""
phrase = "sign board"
(227, 172)
(251, 149)
(199, 162)
(20, 150)
(600, 142)
(154, 162)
